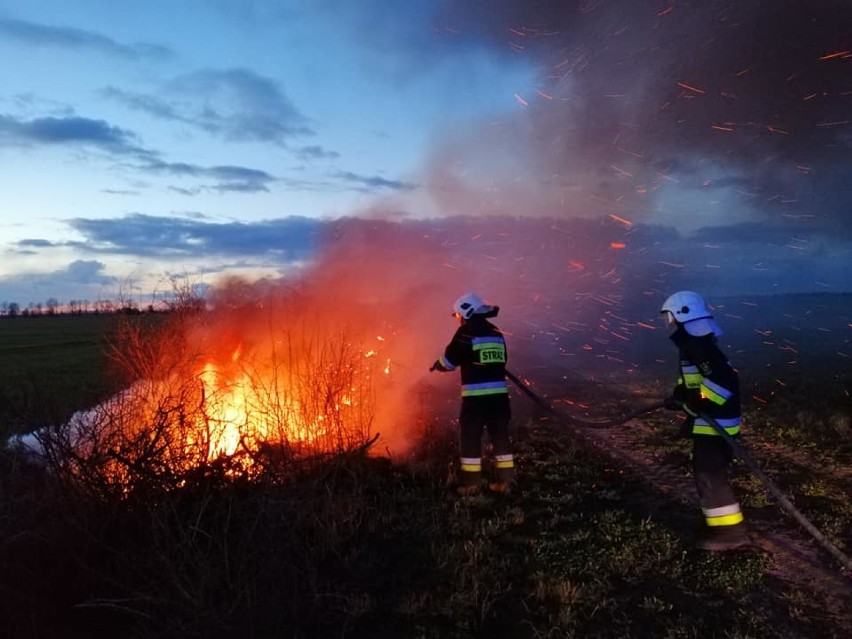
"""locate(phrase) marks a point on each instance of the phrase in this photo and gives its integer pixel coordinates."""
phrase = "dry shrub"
(217, 387)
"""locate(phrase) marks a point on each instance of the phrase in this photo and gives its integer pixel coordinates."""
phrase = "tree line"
(53, 306)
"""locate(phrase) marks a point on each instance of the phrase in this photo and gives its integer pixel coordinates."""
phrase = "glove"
(672, 403)
(436, 366)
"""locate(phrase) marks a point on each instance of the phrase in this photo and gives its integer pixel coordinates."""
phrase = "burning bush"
(232, 385)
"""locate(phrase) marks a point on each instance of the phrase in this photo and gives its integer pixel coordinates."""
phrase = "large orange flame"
(295, 387)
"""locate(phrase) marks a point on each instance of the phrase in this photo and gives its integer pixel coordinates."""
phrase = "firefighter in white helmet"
(478, 349)
(708, 386)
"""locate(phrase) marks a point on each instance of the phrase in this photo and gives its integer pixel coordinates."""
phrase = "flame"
(316, 396)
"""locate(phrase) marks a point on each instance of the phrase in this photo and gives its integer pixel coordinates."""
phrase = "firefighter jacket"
(478, 348)
(707, 384)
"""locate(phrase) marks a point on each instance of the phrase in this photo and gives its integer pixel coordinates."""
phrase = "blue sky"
(244, 115)
(142, 140)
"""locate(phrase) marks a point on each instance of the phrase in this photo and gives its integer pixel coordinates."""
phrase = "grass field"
(52, 366)
(589, 546)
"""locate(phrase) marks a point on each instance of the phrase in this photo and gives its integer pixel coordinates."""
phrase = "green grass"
(52, 366)
(359, 547)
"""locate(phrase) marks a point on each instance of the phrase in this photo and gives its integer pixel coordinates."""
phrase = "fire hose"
(572, 420)
(738, 449)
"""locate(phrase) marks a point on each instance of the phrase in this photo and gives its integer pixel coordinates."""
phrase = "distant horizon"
(163, 303)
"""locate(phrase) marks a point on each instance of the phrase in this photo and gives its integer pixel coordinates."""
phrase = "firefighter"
(708, 386)
(478, 349)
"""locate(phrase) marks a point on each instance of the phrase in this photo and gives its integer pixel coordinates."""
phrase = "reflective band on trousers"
(484, 388)
(471, 464)
(701, 429)
(724, 515)
(504, 461)
(731, 426)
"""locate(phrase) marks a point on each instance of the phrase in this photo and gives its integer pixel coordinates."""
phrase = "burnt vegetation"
(126, 541)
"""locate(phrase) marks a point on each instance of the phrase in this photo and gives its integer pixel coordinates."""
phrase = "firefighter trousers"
(491, 414)
(711, 460)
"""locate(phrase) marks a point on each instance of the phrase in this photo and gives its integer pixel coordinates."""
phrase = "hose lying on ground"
(579, 422)
(738, 449)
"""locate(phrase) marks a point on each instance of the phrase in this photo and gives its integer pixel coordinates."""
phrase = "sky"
(701, 145)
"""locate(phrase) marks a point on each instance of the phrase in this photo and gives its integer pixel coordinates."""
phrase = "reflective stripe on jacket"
(707, 383)
(479, 350)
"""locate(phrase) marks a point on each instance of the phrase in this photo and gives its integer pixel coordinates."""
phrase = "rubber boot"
(721, 538)
(501, 487)
(504, 482)
(467, 490)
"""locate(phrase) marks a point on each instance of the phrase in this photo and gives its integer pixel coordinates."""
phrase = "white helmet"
(686, 306)
(470, 304)
(689, 308)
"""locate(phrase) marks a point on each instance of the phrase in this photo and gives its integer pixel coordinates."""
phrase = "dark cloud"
(69, 130)
(99, 134)
(228, 178)
(81, 279)
(235, 104)
(152, 105)
(374, 183)
(315, 152)
(554, 275)
(244, 186)
(87, 272)
(35, 34)
(238, 174)
(187, 192)
(35, 243)
(119, 192)
(551, 255)
(285, 239)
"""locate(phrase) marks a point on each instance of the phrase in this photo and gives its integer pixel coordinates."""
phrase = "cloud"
(87, 272)
(235, 104)
(81, 279)
(315, 152)
(227, 178)
(285, 239)
(69, 130)
(35, 243)
(35, 34)
(188, 192)
(152, 105)
(373, 183)
(99, 134)
(558, 270)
